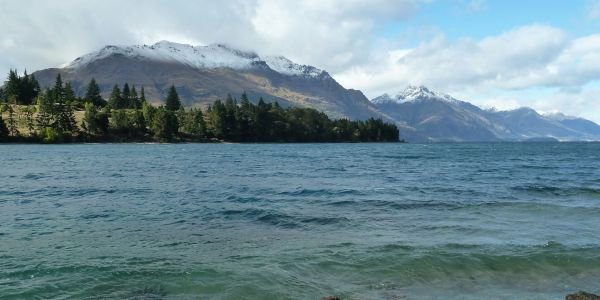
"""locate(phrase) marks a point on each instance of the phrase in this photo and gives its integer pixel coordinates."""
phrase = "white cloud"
(529, 56)
(331, 34)
(520, 58)
(584, 103)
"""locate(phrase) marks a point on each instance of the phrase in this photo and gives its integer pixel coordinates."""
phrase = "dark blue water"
(360, 221)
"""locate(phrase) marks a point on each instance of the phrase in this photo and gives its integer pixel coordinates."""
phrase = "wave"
(557, 191)
(466, 259)
(282, 220)
(322, 192)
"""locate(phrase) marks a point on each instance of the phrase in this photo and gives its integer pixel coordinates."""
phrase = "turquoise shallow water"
(360, 221)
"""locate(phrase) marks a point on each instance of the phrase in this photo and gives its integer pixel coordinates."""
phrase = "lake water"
(359, 221)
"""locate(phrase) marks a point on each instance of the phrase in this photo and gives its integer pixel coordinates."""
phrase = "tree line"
(33, 115)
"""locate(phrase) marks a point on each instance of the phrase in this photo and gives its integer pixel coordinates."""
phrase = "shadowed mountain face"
(439, 117)
(205, 74)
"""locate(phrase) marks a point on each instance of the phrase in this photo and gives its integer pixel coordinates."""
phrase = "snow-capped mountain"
(413, 94)
(203, 74)
(202, 57)
(440, 117)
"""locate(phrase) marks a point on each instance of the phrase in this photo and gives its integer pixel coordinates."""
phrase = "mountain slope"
(204, 74)
(439, 117)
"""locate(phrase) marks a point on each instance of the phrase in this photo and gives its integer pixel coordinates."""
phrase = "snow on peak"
(202, 57)
(285, 66)
(414, 93)
(558, 116)
(385, 98)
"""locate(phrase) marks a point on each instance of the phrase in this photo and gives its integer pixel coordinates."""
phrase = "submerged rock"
(582, 296)
(331, 298)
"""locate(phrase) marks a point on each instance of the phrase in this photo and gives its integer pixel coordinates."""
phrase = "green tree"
(216, 114)
(148, 112)
(90, 119)
(69, 93)
(115, 101)
(126, 96)
(12, 86)
(192, 122)
(134, 100)
(139, 121)
(119, 122)
(142, 95)
(173, 103)
(93, 94)
(45, 112)
(62, 97)
(164, 124)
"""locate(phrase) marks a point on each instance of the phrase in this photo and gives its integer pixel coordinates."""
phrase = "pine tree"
(142, 95)
(33, 89)
(62, 98)
(57, 92)
(115, 100)
(126, 97)
(29, 88)
(93, 94)
(173, 103)
(134, 100)
(45, 109)
(69, 93)
(22, 89)
(12, 86)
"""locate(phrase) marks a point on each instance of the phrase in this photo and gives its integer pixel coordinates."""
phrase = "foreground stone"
(582, 296)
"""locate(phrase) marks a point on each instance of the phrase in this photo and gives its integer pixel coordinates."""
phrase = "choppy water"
(360, 221)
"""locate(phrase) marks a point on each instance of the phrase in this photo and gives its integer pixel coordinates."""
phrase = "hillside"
(204, 74)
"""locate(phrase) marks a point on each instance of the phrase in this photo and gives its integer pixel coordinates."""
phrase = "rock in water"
(582, 296)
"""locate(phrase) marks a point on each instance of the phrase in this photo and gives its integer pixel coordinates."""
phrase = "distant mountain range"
(433, 116)
(203, 74)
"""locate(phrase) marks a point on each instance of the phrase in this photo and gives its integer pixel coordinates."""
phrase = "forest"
(57, 115)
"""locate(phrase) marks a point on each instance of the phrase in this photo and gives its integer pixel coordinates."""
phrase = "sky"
(501, 54)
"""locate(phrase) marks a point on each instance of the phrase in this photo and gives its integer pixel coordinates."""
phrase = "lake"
(299, 221)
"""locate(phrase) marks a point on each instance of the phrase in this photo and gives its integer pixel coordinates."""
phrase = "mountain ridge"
(203, 74)
(218, 55)
(444, 118)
